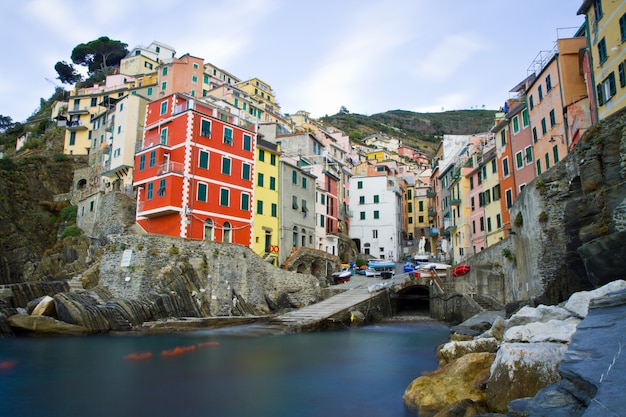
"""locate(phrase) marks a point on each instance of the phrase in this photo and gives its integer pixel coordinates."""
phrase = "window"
(496, 192)
(259, 207)
(272, 183)
(503, 137)
(622, 27)
(142, 162)
(606, 89)
(552, 118)
(228, 135)
(294, 202)
(548, 83)
(525, 118)
(531, 102)
(474, 226)
(261, 155)
(273, 159)
(161, 190)
(375, 234)
(149, 92)
(494, 166)
(362, 215)
(602, 51)
(529, 154)
(203, 160)
(164, 107)
(420, 205)
(245, 171)
(505, 167)
(247, 142)
(473, 202)
(72, 138)
(94, 101)
(245, 201)
(535, 138)
(202, 192)
(540, 93)
(303, 182)
(471, 183)
(538, 166)
(515, 125)
(547, 158)
(519, 159)
(304, 208)
(376, 214)
(208, 229)
(359, 185)
(194, 79)
(260, 179)
(163, 85)
(376, 199)
(597, 9)
(509, 198)
(163, 136)
(152, 159)
(362, 199)
(622, 75)
(544, 127)
(482, 224)
(274, 210)
(164, 71)
(294, 177)
(488, 224)
(555, 153)
(224, 197)
(410, 207)
(150, 191)
(205, 128)
(225, 165)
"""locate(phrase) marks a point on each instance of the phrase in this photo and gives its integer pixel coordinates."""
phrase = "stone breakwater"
(563, 360)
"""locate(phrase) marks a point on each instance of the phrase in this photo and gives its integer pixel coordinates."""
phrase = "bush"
(71, 231)
(68, 213)
(7, 164)
(59, 157)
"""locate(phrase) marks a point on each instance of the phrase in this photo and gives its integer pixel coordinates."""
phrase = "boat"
(422, 257)
(460, 270)
(409, 266)
(342, 276)
(426, 270)
(383, 268)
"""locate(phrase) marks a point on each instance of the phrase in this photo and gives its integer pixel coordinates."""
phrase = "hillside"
(419, 130)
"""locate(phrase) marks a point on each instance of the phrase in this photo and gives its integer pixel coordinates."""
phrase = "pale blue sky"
(368, 55)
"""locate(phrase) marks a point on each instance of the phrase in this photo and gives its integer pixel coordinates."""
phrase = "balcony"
(456, 201)
(430, 193)
(171, 168)
(433, 231)
(431, 211)
(74, 125)
(77, 110)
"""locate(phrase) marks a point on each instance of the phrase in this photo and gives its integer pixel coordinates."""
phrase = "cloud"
(448, 57)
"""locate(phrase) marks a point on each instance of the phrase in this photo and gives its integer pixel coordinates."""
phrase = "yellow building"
(266, 214)
(606, 33)
(491, 197)
(378, 155)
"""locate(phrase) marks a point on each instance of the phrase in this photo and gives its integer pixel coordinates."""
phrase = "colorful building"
(194, 172)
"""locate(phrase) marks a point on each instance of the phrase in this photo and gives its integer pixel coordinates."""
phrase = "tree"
(67, 73)
(99, 54)
(5, 122)
(343, 110)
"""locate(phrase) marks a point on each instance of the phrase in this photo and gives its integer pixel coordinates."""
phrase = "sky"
(369, 56)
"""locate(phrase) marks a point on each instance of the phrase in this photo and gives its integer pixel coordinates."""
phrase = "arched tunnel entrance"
(414, 300)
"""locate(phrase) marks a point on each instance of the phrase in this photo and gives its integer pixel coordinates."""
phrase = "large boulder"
(455, 349)
(520, 370)
(541, 313)
(458, 380)
(578, 303)
(559, 331)
(45, 307)
(44, 324)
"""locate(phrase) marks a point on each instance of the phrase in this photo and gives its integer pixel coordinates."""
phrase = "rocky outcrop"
(549, 360)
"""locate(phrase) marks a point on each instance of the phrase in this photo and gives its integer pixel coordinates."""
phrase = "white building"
(376, 225)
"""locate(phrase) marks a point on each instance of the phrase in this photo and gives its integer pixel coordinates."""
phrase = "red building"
(194, 172)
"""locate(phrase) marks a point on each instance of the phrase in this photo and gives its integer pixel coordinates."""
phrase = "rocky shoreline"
(552, 361)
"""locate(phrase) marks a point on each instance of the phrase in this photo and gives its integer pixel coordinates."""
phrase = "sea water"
(229, 372)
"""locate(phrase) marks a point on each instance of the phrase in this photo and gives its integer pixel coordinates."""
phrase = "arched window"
(295, 237)
(208, 229)
(227, 236)
(303, 237)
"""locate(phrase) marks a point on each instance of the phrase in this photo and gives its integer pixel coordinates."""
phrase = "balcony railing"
(456, 201)
(75, 125)
(78, 110)
(171, 168)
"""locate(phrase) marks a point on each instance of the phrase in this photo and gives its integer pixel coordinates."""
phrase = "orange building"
(194, 172)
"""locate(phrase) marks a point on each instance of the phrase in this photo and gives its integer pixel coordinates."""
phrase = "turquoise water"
(357, 372)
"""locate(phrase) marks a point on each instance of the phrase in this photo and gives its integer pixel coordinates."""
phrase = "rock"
(44, 324)
(561, 399)
(458, 380)
(463, 408)
(522, 369)
(455, 349)
(553, 331)
(45, 307)
(541, 313)
(578, 303)
(497, 330)
(357, 318)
